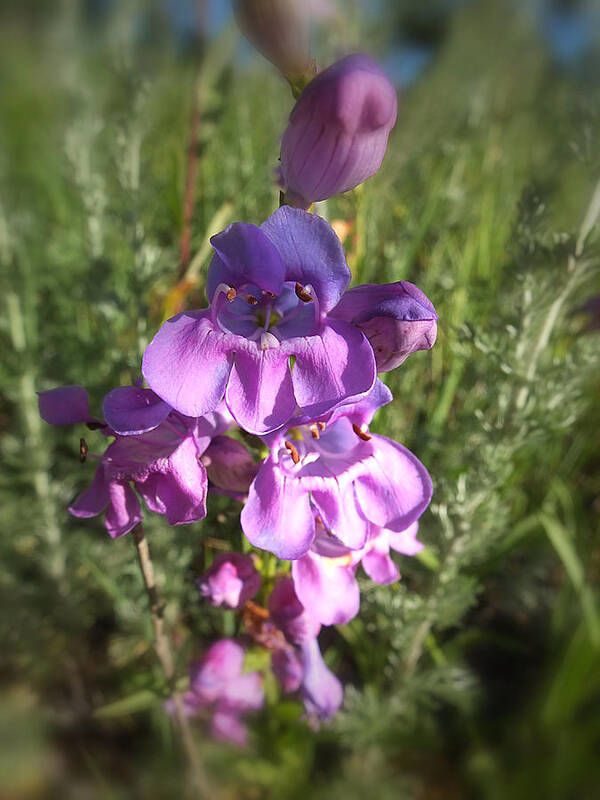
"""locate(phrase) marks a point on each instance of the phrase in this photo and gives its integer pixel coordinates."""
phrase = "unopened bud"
(280, 30)
(338, 130)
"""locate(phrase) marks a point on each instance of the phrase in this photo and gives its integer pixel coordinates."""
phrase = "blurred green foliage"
(477, 675)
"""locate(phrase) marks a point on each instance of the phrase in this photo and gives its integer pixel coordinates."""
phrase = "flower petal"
(288, 614)
(380, 567)
(287, 668)
(64, 405)
(229, 464)
(259, 393)
(187, 365)
(277, 515)
(131, 410)
(327, 588)
(397, 318)
(311, 252)
(336, 502)
(395, 487)
(123, 512)
(322, 692)
(244, 693)
(226, 726)
(245, 255)
(406, 541)
(94, 500)
(181, 485)
(331, 367)
(222, 662)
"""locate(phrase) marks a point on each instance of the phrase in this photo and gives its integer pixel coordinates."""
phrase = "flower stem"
(165, 656)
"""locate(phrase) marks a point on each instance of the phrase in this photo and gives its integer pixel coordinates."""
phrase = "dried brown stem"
(165, 656)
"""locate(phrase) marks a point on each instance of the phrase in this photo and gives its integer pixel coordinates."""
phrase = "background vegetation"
(478, 675)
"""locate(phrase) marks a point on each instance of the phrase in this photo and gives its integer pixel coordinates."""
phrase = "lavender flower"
(299, 664)
(338, 473)
(217, 682)
(337, 134)
(230, 580)
(324, 578)
(155, 448)
(275, 294)
(271, 290)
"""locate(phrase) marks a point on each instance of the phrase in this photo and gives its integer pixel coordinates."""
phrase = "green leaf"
(562, 542)
(139, 701)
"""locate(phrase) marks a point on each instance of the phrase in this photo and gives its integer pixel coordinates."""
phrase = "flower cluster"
(290, 353)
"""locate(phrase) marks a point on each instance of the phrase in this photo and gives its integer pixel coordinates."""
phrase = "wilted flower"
(279, 29)
(218, 682)
(337, 474)
(230, 580)
(155, 448)
(337, 133)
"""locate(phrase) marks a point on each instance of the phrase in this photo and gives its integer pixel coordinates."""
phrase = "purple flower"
(287, 668)
(230, 580)
(336, 473)
(298, 664)
(288, 614)
(338, 130)
(217, 682)
(324, 578)
(155, 448)
(271, 290)
(276, 295)
(397, 318)
(322, 692)
(229, 466)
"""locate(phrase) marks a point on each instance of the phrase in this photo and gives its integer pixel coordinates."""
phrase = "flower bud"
(397, 319)
(337, 132)
(279, 29)
(230, 580)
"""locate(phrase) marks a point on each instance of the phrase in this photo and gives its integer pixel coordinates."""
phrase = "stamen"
(269, 294)
(322, 425)
(231, 294)
(83, 450)
(315, 431)
(362, 434)
(251, 300)
(303, 294)
(293, 452)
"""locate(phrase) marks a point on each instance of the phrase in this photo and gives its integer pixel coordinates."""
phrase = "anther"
(83, 450)
(322, 425)
(315, 431)
(301, 292)
(360, 433)
(231, 294)
(293, 452)
(249, 298)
